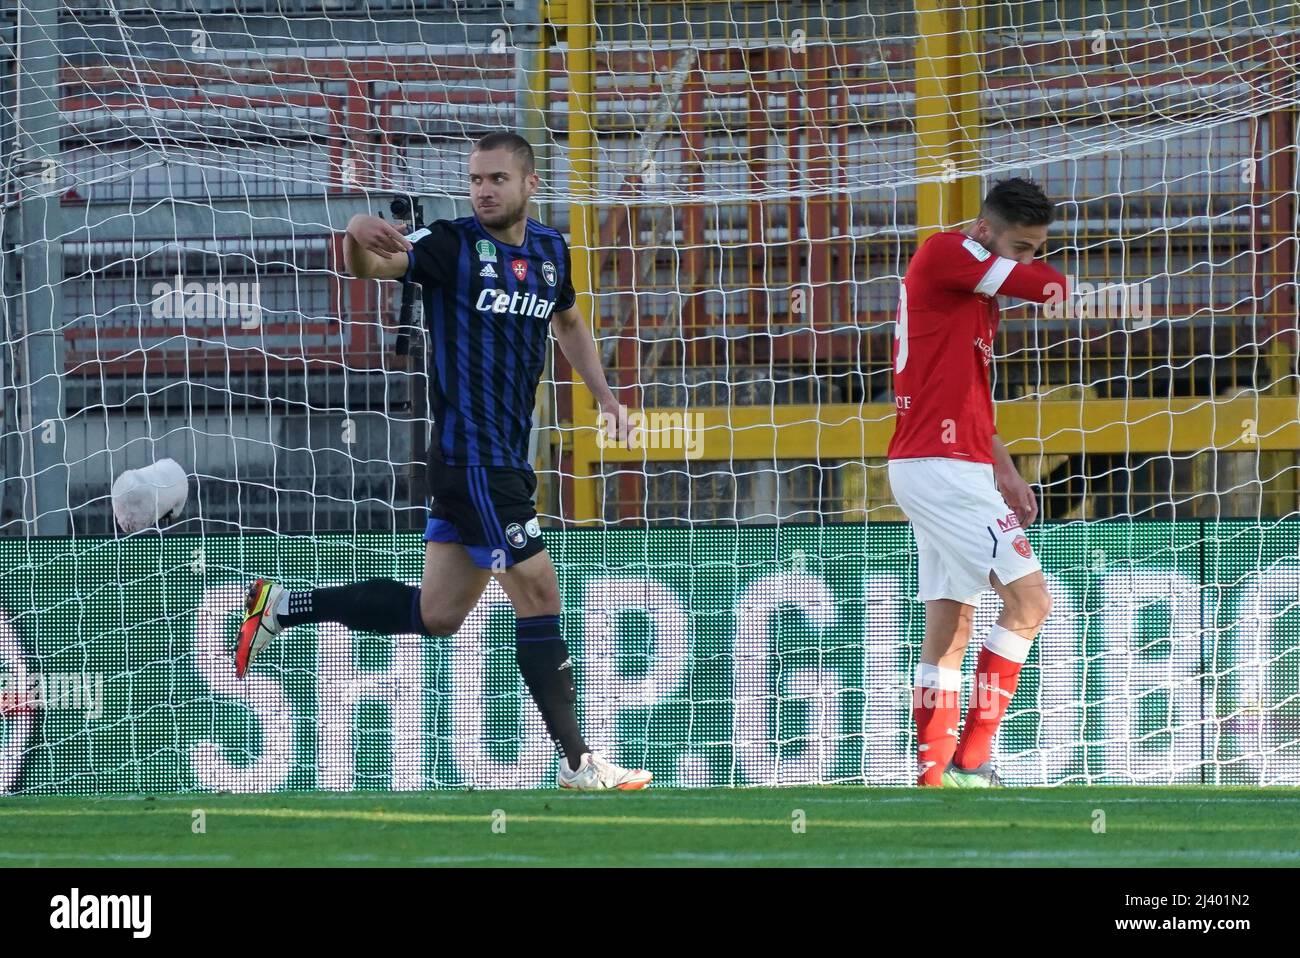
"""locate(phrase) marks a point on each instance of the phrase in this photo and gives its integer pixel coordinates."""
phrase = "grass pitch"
(1166, 826)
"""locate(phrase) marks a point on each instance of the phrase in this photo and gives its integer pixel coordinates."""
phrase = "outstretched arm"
(579, 348)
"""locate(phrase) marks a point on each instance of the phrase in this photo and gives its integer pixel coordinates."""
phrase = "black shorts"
(487, 509)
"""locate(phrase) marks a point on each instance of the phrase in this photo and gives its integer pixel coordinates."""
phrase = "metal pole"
(39, 123)
(582, 228)
(531, 85)
(531, 81)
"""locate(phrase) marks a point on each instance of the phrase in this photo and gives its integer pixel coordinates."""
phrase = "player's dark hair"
(1018, 202)
(516, 144)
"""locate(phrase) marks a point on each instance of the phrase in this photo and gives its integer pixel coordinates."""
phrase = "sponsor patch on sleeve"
(974, 248)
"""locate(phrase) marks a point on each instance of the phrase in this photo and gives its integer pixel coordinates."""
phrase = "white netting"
(176, 174)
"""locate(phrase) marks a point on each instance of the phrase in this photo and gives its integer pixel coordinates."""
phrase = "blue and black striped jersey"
(487, 307)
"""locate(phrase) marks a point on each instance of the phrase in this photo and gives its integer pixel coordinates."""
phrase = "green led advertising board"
(712, 656)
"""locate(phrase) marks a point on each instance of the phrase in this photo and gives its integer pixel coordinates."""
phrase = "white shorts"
(964, 530)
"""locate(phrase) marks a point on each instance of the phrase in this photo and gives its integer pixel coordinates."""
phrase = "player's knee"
(538, 604)
(443, 624)
(439, 621)
(1034, 606)
(538, 598)
(1026, 607)
(1044, 606)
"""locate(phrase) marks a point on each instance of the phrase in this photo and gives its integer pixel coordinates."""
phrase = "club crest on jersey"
(515, 535)
(520, 268)
(487, 253)
(548, 273)
(1021, 545)
(487, 272)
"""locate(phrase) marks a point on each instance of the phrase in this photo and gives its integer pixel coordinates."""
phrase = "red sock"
(936, 708)
(996, 672)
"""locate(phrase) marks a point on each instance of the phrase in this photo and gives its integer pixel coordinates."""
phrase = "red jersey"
(943, 345)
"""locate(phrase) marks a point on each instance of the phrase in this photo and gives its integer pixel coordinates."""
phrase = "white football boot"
(595, 774)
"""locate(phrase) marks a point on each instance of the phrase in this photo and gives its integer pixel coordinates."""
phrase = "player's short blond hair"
(506, 140)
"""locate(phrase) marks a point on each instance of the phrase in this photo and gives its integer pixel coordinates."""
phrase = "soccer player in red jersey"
(953, 478)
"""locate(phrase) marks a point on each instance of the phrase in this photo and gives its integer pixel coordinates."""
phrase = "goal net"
(742, 185)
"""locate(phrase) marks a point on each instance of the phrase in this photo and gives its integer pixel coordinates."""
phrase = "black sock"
(548, 672)
(382, 606)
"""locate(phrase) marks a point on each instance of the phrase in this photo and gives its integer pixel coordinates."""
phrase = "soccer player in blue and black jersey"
(494, 283)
